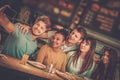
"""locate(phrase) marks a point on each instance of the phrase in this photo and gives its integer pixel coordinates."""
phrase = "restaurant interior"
(100, 18)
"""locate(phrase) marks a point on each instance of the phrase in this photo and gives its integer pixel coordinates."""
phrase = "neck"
(83, 55)
(56, 49)
(68, 43)
(33, 37)
(106, 65)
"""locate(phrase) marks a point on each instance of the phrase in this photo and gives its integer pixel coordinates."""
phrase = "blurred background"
(101, 18)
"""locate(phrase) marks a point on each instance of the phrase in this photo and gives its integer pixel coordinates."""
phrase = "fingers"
(23, 29)
(4, 7)
(59, 73)
(71, 76)
(39, 64)
(2, 14)
(3, 56)
(7, 6)
(62, 75)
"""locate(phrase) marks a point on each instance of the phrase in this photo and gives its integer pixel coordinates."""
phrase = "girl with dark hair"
(107, 66)
(80, 62)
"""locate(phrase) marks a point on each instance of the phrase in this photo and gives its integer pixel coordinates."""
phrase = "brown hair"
(45, 19)
(63, 32)
(82, 31)
(88, 60)
(102, 73)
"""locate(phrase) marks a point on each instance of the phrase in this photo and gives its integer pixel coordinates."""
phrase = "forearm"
(4, 7)
(6, 23)
(7, 27)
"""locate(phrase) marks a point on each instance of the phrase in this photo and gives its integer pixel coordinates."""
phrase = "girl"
(107, 66)
(80, 62)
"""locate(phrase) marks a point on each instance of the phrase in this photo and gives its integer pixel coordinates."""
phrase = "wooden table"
(13, 63)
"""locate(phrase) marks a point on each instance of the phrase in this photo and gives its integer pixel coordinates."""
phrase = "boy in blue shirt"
(17, 43)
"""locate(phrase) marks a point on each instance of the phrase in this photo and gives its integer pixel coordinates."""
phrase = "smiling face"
(38, 28)
(57, 40)
(74, 37)
(85, 46)
(106, 57)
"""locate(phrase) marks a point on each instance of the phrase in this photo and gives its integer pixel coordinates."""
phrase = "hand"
(53, 71)
(3, 56)
(68, 76)
(4, 7)
(24, 28)
(63, 75)
(58, 27)
(74, 77)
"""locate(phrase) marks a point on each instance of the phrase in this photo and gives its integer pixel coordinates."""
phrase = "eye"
(58, 39)
(81, 42)
(38, 25)
(41, 27)
(73, 33)
(76, 36)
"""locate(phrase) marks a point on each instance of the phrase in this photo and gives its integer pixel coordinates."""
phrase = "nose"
(83, 44)
(72, 36)
(105, 57)
(38, 28)
(54, 40)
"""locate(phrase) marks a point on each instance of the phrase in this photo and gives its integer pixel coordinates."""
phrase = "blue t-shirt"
(17, 44)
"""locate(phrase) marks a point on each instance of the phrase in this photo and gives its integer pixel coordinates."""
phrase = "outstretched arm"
(4, 7)
(5, 22)
(23, 28)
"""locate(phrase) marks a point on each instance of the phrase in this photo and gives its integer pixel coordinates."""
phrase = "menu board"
(101, 16)
(60, 11)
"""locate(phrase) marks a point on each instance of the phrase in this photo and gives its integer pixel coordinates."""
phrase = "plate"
(36, 64)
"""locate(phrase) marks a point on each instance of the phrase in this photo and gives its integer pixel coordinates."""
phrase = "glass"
(50, 68)
(24, 59)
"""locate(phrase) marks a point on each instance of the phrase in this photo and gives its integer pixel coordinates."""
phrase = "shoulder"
(63, 53)
(16, 32)
(71, 53)
(51, 33)
(46, 47)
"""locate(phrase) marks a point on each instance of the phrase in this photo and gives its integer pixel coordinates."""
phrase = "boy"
(17, 43)
(52, 54)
